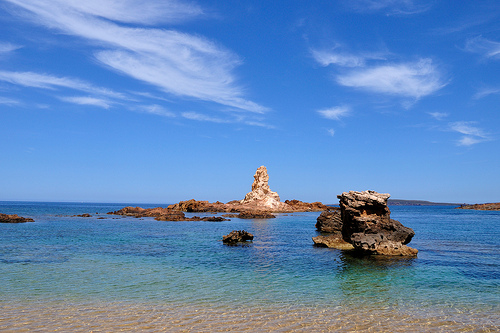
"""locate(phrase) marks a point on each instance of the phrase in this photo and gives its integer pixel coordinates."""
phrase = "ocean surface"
(109, 273)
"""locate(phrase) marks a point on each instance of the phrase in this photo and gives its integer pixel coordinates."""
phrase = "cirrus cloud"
(471, 133)
(486, 47)
(87, 100)
(181, 64)
(335, 113)
(414, 79)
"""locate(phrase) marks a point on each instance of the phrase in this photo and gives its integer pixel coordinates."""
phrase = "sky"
(151, 101)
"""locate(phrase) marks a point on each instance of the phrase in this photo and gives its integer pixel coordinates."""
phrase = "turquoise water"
(124, 273)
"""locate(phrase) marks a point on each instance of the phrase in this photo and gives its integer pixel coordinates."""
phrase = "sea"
(108, 273)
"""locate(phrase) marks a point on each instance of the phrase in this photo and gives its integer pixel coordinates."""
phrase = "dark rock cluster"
(364, 222)
(237, 236)
(14, 218)
(164, 214)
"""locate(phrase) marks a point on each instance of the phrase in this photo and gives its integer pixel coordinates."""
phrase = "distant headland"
(486, 206)
(402, 202)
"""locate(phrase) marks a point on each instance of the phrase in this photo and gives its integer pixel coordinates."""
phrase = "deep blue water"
(60, 258)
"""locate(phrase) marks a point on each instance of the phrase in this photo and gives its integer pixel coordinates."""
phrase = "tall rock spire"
(261, 193)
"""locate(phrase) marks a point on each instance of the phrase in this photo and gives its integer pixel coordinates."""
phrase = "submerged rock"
(83, 215)
(237, 236)
(367, 225)
(14, 218)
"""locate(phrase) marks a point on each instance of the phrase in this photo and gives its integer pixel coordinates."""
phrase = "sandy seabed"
(144, 317)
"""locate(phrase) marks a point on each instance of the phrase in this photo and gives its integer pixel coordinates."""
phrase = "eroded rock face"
(237, 236)
(330, 222)
(367, 225)
(260, 201)
(14, 218)
(261, 193)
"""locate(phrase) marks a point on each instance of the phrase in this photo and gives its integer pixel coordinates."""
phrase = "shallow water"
(127, 274)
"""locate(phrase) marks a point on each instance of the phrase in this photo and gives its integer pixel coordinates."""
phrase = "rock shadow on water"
(361, 258)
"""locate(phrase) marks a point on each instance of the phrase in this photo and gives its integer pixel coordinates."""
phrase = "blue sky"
(161, 101)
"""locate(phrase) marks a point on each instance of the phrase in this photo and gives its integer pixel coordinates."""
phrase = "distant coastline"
(403, 202)
(486, 206)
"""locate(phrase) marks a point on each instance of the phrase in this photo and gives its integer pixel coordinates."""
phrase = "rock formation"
(164, 214)
(256, 215)
(261, 202)
(237, 236)
(332, 241)
(14, 218)
(261, 194)
(330, 223)
(367, 225)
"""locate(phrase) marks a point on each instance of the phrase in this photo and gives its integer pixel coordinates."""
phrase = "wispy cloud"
(487, 48)
(177, 63)
(390, 7)
(45, 81)
(472, 133)
(87, 100)
(132, 11)
(416, 79)
(335, 113)
(335, 56)
(228, 118)
(325, 58)
(8, 101)
(331, 132)
(439, 115)
(8, 47)
(202, 117)
(486, 92)
(155, 109)
(468, 141)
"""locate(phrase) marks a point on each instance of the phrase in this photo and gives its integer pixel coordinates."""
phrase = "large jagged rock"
(367, 225)
(14, 218)
(261, 201)
(261, 194)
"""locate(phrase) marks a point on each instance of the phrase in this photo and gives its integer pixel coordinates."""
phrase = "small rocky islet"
(363, 223)
(260, 203)
(14, 218)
